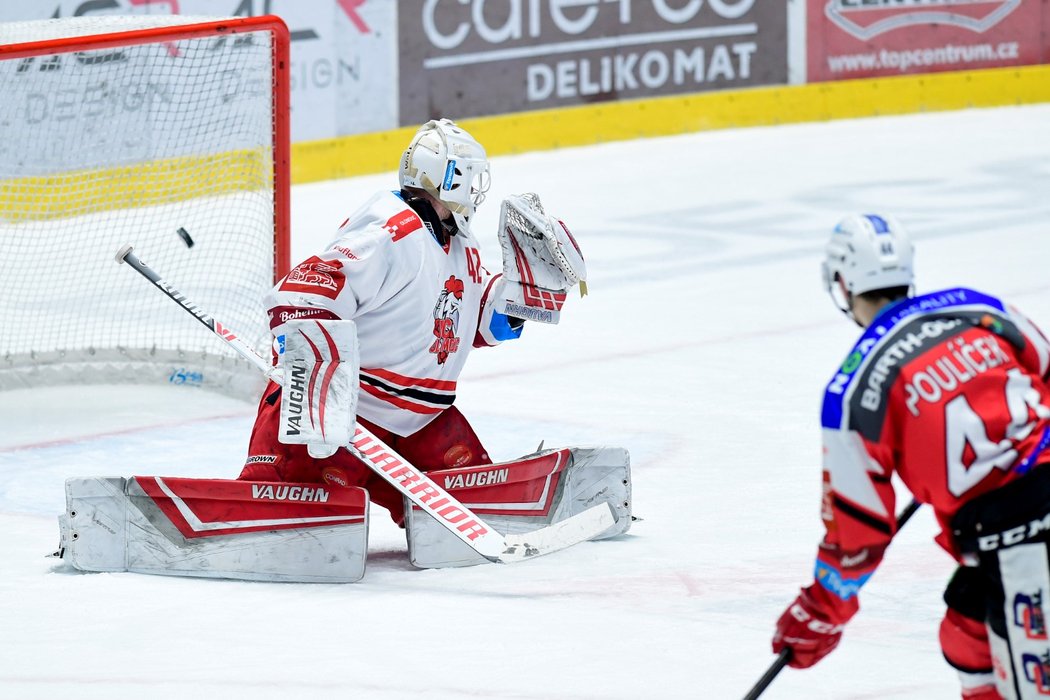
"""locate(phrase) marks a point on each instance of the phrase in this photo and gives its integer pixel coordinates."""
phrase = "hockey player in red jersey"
(949, 391)
(406, 269)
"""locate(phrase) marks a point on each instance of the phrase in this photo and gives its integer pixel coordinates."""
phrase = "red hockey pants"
(447, 441)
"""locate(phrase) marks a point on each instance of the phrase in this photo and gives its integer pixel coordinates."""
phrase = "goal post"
(170, 133)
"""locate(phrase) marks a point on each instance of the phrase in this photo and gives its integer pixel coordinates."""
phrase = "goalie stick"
(785, 656)
(407, 479)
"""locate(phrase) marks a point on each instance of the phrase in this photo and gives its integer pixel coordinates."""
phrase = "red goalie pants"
(447, 441)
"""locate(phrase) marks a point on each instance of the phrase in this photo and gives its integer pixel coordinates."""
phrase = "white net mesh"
(128, 145)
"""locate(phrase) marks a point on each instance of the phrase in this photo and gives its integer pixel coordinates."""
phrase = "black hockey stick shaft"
(783, 657)
(125, 255)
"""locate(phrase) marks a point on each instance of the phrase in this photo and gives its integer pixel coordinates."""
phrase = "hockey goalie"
(371, 335)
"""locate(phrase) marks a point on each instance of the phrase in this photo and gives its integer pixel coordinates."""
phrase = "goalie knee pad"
(215, 528)
(524, 495)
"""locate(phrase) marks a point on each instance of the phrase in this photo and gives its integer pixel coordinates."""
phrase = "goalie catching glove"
(541, 261)
(319, 361)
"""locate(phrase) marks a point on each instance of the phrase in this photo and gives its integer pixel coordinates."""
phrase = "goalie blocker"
(266, 531)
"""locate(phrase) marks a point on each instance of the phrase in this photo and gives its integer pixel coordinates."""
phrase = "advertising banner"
(475, 57)
(344, 52)
(868, 38)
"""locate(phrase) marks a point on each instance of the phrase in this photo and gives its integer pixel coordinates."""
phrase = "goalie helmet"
(867, 252)
(450, 164)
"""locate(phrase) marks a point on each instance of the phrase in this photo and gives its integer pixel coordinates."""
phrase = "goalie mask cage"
(127, 129)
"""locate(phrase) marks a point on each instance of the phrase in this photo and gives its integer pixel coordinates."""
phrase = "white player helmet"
(450, 164)
(867, 252)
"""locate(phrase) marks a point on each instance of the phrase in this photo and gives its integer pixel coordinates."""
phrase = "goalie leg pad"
(524, 495)
(215, 528)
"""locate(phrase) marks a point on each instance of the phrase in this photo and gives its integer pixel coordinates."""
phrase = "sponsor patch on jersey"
(279, 315)
(835, 582)
(316, 276)
(1029, 615)
(1037, 671)
(402, 223)
(346, 251)
(283, 314)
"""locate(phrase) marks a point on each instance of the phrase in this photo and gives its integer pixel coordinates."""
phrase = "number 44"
(964, 427)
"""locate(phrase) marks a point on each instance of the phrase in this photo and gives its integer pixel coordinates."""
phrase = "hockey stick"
(407, 479)
(785, 656)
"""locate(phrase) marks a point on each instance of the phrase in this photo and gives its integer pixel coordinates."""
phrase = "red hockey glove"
(805, 629)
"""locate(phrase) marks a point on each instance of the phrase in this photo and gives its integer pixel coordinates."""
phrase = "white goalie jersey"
(419, 306)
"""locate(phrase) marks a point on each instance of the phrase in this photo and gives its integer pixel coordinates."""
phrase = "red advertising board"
(867, 38)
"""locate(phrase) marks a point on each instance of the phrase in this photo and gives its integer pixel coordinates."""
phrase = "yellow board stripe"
(75, 193)
(613, 121)
(177, 179)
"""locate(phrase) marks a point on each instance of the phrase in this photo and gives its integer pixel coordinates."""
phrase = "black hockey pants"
(1006, 533)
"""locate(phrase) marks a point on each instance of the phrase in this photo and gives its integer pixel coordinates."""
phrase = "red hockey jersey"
(949, 391)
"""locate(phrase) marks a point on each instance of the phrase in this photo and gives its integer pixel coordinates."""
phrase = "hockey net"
(125, 130)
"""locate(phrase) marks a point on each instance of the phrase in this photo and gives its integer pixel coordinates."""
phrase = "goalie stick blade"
(579, 528)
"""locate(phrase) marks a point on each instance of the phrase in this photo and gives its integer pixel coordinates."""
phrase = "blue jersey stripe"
(888, 319)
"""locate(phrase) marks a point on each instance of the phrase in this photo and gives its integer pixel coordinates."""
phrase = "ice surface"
(702, 348)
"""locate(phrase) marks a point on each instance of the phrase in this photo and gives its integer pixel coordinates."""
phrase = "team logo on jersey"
(865, 19)
(316, 276)
(1037, 671)
(1029, 616)
(446, 319)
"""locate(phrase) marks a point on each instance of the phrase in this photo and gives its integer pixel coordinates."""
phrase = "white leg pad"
(215, 528)
(524, 495)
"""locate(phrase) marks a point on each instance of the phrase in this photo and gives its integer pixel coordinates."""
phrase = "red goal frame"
(281, 94)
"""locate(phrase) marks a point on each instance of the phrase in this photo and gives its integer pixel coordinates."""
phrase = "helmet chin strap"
(844, 301)
(848, 310)
(853, 318)
(442, 229)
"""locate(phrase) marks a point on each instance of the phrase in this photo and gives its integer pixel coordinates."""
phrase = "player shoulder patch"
(316, 276)
(403, 223)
